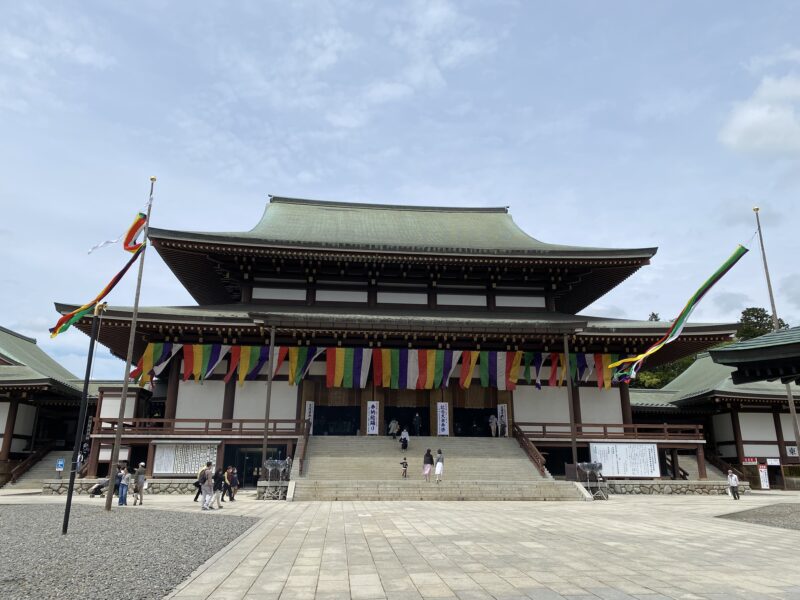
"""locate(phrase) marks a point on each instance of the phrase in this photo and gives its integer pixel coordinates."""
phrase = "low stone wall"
(670, 486)
(154, 486)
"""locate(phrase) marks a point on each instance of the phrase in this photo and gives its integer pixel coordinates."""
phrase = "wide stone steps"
(542, 490)
(45, 469)
(688, 462)
(378, 459)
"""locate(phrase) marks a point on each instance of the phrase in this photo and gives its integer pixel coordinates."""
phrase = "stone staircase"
(688, 462)
(44, 469)
(367, 468)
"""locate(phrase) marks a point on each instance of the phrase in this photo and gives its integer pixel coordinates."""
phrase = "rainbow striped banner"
(347, 367)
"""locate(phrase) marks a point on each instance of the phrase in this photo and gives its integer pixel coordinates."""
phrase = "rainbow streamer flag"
(625, 375)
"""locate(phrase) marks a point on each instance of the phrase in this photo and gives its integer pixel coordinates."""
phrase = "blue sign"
(59, 464)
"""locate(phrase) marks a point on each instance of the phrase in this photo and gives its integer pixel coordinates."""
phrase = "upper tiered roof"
(347, 226)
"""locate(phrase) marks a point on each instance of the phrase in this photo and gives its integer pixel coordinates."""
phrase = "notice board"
(182, 458)
(627, 460)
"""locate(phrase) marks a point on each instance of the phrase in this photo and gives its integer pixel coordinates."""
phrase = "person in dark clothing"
(226, 484)
(219, 481)
(197, 484)
(427, 465)
(417, 422)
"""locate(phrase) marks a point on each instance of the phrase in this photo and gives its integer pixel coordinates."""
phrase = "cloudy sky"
(611, 124)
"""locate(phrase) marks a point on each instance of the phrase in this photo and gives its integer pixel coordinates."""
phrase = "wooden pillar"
(701, 462)
(94, 454)
(625, 403)
(220, 455)
(227, 402)
(576, 403)
(8, 432)
(737, 434)
(433, 426)
(290, 448)
(363, 399)
(776, 416)
(675, 466)
(151, 456)
(173, 381)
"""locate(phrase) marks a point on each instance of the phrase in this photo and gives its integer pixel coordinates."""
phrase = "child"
(404, 465)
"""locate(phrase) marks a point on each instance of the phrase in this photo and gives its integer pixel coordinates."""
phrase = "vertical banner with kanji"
(310, 414)
(442, 418)
(502, 420)
(372, 417)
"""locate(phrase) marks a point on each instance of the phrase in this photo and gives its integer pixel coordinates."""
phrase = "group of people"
(215, 484)
(429, 463)
(122, 484)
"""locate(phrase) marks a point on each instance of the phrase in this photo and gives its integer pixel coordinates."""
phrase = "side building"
(445, 320)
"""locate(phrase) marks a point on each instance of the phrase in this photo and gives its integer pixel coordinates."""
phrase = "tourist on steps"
(493, 425)
(439, 465)
(427, 465)
(404, 440)
(404, 467)
(394, 428)
(733, 484)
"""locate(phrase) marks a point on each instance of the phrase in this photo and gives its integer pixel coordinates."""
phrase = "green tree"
(654, 316)
(756, 321)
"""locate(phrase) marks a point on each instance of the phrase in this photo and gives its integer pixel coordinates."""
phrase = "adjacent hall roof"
(28, 364)
(348, 226)
(775, 355)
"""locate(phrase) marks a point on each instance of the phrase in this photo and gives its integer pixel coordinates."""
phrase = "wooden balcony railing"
(211, 427)
(612, 431)
(530, 449)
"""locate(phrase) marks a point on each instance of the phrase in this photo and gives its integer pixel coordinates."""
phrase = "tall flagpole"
(776, 327)
(129, 358)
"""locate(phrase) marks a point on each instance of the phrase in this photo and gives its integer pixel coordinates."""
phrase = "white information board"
(627, 460)
(183, 459)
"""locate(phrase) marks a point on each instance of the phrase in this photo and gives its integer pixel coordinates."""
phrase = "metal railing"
(530, 449)
(612, 431)
(132, 426)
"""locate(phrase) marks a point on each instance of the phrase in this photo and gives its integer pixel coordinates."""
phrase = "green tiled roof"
(777, 344)
(23, 351)
(300, 223)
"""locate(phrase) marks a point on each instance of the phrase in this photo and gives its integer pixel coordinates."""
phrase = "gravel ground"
(786, 516)
(128, 553)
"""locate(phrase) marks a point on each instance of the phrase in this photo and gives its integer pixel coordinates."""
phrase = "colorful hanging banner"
(469, 359)
(635, 362)
(347, 367)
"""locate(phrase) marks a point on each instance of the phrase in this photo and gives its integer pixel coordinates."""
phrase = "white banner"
(442, 418)
(372, 417)
(502, 420)
(310, 414)
(627, 460)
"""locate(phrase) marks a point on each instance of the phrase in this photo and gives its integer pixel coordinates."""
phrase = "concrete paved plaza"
(629, 547)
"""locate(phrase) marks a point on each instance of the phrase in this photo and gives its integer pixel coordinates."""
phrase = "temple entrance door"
(472, 409)
(405, 405)
(337, 411)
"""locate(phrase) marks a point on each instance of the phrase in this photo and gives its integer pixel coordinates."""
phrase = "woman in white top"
(439, 468)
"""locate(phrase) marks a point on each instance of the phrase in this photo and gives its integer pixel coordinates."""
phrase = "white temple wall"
(548, 405)
(787, 427)
(251, 402)
(4, 408)
(200, 400)
(757, 427)
(762, 450)
(26, 417)
(723, 428)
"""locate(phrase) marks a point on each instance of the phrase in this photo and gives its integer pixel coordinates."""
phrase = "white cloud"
(768, 122)
(788, 54)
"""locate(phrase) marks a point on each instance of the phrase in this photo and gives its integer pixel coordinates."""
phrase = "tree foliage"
(756, 321)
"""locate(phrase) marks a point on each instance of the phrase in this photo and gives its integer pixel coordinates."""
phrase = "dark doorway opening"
(336, 420)
(405, 418)
(472, 422)
(557, 457)
(247, 461)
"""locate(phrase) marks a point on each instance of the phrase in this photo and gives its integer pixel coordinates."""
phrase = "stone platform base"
(670, 486)
(154, 486)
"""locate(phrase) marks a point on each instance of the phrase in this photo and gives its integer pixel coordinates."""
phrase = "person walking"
(394, 428)
(234, 484)
(197, 483)
(493, 425)
(439, 465)
(733, 484)
(427, 465)
(219, 483)
(139, 480)
(226, 484)
(124, 482)
(417, 422)
(404, 467)
(207, 485)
